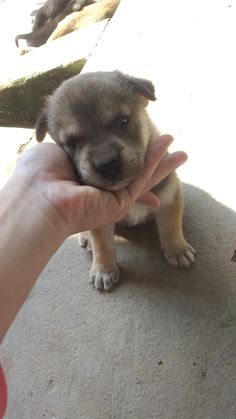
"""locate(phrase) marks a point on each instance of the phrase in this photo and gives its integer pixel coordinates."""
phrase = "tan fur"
(104, 9)
(100, 120)
(66, 20)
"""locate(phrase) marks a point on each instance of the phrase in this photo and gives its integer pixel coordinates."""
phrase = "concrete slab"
(55, 54)
(162, 345)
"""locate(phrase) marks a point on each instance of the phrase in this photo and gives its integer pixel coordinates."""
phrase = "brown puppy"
(100, 120)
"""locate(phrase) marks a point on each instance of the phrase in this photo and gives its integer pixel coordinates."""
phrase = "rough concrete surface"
(162, 345)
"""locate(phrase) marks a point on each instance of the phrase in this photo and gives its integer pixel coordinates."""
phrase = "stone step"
(35, 75)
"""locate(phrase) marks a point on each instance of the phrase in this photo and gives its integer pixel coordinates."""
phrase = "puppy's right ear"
(41, 126)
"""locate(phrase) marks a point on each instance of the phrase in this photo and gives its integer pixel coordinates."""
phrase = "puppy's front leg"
(168, 217)
(105, 272)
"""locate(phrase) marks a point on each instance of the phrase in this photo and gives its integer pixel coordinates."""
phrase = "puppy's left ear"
(142, 86)
(137, 85)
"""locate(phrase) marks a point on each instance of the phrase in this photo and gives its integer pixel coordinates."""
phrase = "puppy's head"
(100, 120)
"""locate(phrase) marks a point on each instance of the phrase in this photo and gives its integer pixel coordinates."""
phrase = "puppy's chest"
(138, 214)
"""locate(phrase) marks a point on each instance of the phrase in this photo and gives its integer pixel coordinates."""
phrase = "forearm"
(29, 237)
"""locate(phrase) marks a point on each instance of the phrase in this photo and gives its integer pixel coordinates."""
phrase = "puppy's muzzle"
(109, 170)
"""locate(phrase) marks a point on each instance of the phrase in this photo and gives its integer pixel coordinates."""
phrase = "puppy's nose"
(109, 170)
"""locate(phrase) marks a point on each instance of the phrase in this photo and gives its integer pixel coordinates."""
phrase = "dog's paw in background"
(104, 279)
(184, 257)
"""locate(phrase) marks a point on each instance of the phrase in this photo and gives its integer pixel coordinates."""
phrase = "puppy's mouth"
(106, 186)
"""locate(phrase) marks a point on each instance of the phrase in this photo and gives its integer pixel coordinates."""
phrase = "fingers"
(158, 164)
(150, 198)
(153, 157)
(168, 164)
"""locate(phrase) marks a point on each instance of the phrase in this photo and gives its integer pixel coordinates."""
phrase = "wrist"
(29, 238)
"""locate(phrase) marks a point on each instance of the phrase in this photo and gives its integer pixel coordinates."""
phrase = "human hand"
(42, 204)
(47, 170)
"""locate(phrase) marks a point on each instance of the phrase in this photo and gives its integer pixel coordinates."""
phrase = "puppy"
(100, 120)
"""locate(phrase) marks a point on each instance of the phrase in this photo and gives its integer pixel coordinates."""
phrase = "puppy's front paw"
(104, 280)
(183, 257)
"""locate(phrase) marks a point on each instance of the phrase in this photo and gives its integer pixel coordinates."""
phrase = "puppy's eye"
(71, 142)
(121, 121)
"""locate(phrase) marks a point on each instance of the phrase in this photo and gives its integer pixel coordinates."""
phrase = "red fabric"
(3, 393)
